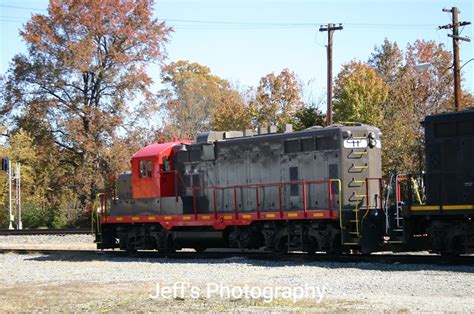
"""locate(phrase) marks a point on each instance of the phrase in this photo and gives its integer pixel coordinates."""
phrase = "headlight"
(372, 142)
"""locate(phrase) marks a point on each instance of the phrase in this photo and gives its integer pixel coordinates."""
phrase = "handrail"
(103, 204)
(258, 186)
(387, 203)
(398, 196)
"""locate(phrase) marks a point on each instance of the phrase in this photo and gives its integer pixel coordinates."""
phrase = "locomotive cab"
(152, 171)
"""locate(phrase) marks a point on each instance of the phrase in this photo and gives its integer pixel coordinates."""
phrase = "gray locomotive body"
(346, 153)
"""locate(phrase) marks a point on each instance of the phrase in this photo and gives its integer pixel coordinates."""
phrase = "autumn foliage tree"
(232, 114)
(277, 99)
(195, 100)
(82, 80)
(412, 95)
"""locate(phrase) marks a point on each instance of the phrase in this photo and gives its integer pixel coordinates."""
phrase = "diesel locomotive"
(316, 190)
(319, 189)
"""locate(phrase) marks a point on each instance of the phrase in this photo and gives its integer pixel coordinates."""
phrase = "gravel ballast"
(89, 281)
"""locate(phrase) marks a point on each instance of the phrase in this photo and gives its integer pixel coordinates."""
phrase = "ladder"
(351, 233)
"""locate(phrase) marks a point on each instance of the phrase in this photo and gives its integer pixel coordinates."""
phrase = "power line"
(21, 8)
(212, 24)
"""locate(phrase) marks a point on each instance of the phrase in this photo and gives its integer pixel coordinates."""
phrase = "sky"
(244, 40)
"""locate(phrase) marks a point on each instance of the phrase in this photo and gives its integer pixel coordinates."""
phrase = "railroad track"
(264, 256)
(7, 232)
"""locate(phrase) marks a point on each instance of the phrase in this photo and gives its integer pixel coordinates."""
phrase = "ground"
(99, 282)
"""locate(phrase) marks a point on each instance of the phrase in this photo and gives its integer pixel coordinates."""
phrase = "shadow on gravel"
(265, 260)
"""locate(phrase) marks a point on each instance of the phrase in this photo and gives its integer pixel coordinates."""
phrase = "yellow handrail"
(360, 167)
(417, 191)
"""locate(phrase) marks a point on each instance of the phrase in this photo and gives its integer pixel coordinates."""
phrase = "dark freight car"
(444, 223)
(450, 158)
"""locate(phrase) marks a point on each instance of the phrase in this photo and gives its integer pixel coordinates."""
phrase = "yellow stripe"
(227, 217)
(119, 218)
(186, 217)
(168, 218)
(424, 208)
(292, 215)
(270, 215)
(457, 207)
(151, 218)
(205, 217)
(246, 216)
(318, 214)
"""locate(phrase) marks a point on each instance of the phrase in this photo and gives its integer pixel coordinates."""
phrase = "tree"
(196, 100)
(232, 114)
(359, 94)
(277, 99)
(412, 94)
(307, 117)
(387, 61)
(78, 84)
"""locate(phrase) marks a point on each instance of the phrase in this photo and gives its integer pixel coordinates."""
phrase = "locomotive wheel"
(282, 247)
(313, 247)
(169, 247)
(131, 251)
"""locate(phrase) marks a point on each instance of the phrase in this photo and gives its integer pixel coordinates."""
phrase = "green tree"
(359, 94)
(308, 116)
(76, 88)
(277, 99)
(40, 206)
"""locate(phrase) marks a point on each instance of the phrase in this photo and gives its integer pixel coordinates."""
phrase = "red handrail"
(178, 178)
(257, 187)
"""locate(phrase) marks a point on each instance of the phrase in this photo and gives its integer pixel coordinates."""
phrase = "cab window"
(145, 169)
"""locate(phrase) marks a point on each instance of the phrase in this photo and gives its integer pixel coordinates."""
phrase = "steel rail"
(7, 232)
(396, 259)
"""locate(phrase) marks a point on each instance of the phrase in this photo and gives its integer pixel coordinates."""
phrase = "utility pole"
(456, 38)
(330, 28)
